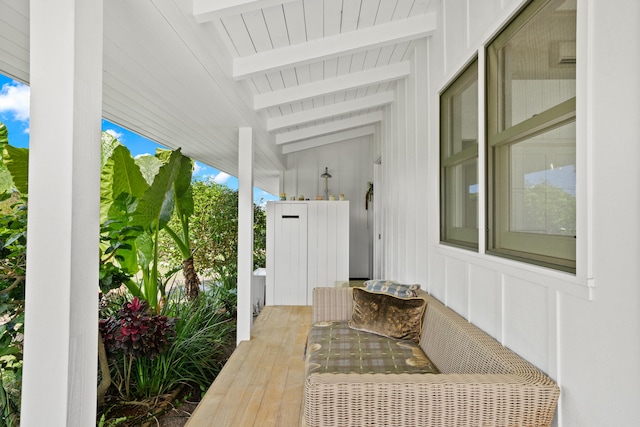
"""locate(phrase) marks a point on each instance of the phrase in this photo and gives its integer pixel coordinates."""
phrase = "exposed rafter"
(329, 86)
(329, 139)
(211, 10)
(331, 47)
(330, 127)
(328, 111)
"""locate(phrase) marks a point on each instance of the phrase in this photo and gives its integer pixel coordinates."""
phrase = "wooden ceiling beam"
(329, 139)
(341, 83)
(377, 36)
(332, 110)
(330, 127)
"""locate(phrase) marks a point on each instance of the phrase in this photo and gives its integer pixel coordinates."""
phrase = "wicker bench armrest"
(332, 304)
(427, 400)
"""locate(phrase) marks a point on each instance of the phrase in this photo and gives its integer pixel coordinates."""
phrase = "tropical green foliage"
(137, 201)
(118, 260)
(184, 209)
(259, 236)
(204, 338)
(13, 247)
(153, 219)
(132, 334)
(214, 231)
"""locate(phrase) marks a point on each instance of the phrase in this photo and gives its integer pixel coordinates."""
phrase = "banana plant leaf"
(6, 180)
(17, 162)
(109, 143)
(120, 174)
(184, 205)
(155, 207)
(149, 166)
(120, 232)
(4, 135)
(183, 189)
(182, 185)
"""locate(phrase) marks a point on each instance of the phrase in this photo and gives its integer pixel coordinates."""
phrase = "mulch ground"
(171, 410)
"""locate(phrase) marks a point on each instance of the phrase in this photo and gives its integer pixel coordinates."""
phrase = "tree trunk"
(105, 382)
(191, 280)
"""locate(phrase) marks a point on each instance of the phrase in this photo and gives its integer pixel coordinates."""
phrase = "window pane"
(531, 136)
(464, 119)
(543, 183)
(459, 164)
(537, 64)
(462, 195)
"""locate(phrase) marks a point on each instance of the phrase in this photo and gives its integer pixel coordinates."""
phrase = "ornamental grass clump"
(134, 333)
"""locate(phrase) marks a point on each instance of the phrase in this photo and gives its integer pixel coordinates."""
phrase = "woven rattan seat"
(481, 383)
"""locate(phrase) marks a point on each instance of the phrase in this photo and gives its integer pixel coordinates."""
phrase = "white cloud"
(117, 135)
(221, 178)
(261, 197)
(14, 99)
(197, 168)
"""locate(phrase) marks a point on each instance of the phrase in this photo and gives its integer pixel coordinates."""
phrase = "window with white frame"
(531, 136)
(459, 160)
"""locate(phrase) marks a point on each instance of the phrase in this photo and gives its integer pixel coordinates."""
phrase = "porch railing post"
(245, 233)
(61, 318)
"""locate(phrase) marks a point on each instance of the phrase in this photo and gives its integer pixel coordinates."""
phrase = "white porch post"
(61, 324)
(245, 233)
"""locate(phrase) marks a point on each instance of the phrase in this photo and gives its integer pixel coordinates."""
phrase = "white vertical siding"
(328, 244)
(484, 299)
(402, 191)
(351, 165)
(307, 247)
(584, 329)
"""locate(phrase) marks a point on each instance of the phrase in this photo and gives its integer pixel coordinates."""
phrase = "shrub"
(147, 362)
(214, 232)
(13, 246)
(134, 334)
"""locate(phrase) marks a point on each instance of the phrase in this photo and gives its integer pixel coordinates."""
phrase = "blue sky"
(14, 113)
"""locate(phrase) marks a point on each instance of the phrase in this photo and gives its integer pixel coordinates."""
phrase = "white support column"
(61, 320)
(245, 233)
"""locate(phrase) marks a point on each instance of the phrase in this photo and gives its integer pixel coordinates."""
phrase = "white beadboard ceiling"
(188, 73)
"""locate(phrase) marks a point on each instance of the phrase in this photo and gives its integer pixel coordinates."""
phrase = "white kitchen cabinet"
(307, 247)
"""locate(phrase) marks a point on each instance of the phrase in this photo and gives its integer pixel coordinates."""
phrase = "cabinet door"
(328, 256)
(290, 260)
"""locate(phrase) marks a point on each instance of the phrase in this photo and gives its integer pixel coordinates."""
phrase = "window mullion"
(556, 116)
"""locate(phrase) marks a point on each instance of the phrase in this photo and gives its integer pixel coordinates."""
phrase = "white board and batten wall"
(350, 164)
(307, 247)
(584, 329)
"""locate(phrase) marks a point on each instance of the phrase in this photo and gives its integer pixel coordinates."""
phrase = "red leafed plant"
(136, 333)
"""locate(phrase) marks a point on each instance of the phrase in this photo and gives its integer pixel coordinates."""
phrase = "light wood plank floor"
(262, 383)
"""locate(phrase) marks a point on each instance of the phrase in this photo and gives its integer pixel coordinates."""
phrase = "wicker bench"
(481, 382)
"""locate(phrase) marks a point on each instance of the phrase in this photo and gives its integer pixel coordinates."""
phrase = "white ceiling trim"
(329, 139)
(331, 47)
(328, 111)
(330, 127)
(365, 78)
(212, 10)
